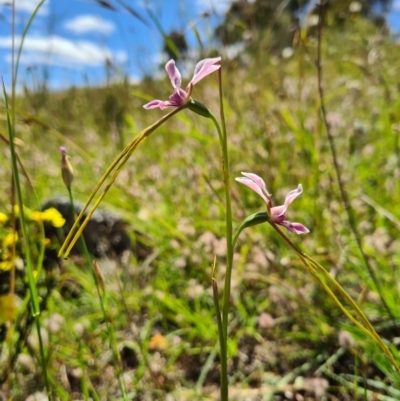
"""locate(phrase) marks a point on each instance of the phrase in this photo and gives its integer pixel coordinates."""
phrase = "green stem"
(229, 245)
(104, 308)
(252, 220)
(343, 192)
(34, 300)
(315, 268)
(223, 327)
(117, 164)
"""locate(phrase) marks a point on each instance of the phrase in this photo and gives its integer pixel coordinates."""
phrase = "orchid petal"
(178, 98)
(279, 211)
(165, 105)
(174, 74)
(157, 103)
(292, 195)
(278, 214)
(296, 228)
(204, 68)
(254, 186)
(259, 181)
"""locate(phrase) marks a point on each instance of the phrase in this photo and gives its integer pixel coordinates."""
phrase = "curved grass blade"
(34, 299)
(24, 33)
(117, 164)
(315, 268)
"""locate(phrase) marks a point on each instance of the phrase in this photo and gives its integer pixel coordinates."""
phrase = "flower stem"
(103, 304)
(219, 322)
(229, 244)
(320, 274)
(316, 270)
(33, 294)
(117, 164)
(343, 192)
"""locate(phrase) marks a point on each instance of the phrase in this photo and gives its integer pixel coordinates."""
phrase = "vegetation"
(149, 331)
(246, 18)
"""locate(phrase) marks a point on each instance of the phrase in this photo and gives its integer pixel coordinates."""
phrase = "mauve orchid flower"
(277, 214)
(180, 96)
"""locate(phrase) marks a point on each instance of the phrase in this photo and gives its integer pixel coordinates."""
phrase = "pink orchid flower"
(277, 214)
(180, 96)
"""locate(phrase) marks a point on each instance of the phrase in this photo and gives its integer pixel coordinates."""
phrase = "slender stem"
(315, 268)
(218, 313)
(252, 220)
(13, 70)
(236, 236)
(222, 341)
(223, 328)
(34, 299)
(229, 244)
(103, 300)
(84, 386)
(119, 161)
(343, 192)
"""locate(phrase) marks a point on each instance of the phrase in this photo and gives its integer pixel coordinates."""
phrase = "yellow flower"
(27, 212)
(6, 265)
(37, 216)
(10, 239)
(3, 218)
(54, 216)
(158, 342)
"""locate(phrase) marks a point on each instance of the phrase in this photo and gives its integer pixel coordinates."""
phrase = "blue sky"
(70, 40)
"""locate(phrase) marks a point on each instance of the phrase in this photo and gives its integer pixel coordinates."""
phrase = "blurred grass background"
(287, 338)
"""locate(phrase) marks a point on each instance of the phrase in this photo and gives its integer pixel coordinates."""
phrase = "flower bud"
(199, 108)
(67, 171)
(98, 274)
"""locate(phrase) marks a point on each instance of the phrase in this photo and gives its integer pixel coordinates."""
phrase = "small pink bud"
(67, 172)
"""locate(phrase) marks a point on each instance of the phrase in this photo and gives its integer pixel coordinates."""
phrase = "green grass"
(171, 190)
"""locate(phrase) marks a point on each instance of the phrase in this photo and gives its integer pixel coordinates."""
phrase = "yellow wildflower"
(3, 218)
(10, 239)
(37, 216)
(6, 265)
(54, 216)
(27, 212)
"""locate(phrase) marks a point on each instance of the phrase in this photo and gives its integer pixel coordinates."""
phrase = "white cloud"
(56, 50)
(396, 5)
(26, 6)
(218, 6)
(89, 23)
